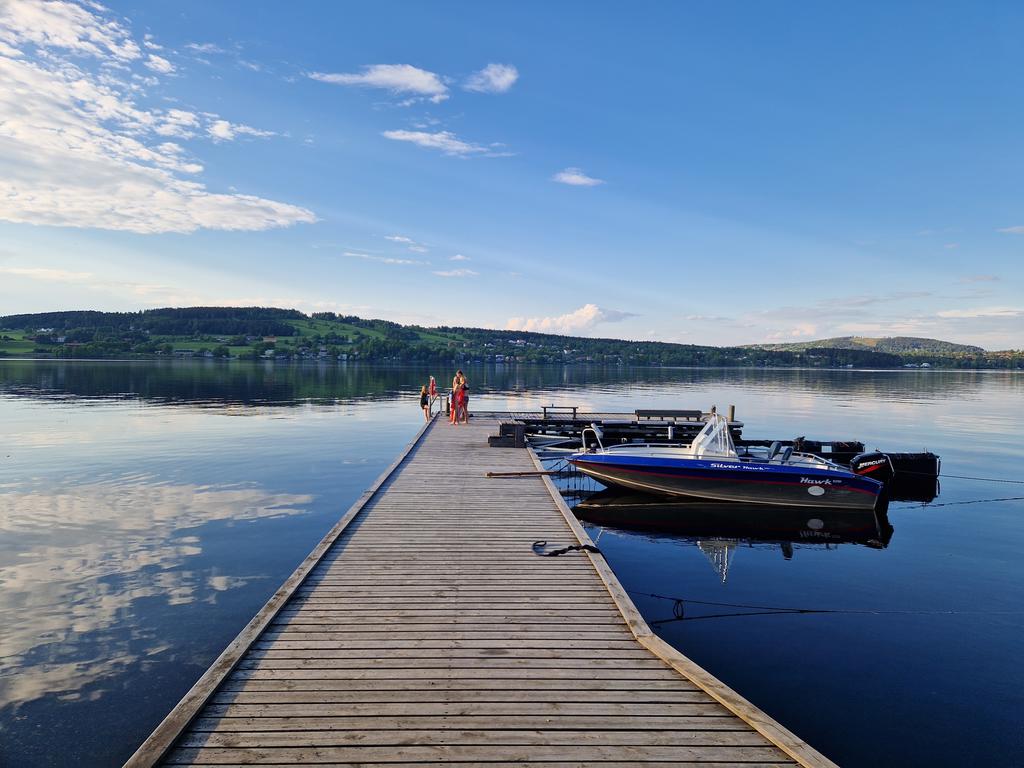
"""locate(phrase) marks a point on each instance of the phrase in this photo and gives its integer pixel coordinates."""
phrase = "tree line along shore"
(261, 333)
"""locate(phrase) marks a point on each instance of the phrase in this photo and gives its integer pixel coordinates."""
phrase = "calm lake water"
(148, 509)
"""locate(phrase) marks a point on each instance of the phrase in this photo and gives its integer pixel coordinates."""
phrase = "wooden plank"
(487, 753)
(537, 737)
(518, 764)
(239, 682)
(510, 650)
(496, 710)
(720, 722)
(455, 696)
(324, 661)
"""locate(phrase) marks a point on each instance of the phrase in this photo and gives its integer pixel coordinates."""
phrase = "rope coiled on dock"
(538, 549)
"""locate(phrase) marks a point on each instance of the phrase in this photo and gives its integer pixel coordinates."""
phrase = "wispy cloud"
(979, 279)
(159, 64)
(80, 152)
(205, 48)
(494, 78)
(385, 259)
(68, 26)
(582, 319)
(457, 273)
(222, 130)
(46, 274)
(1013, 230)
(408, 242)
(443, 141)
(459, 257)
(794, 332)
(575, 177)
(396, 78)
(982, 312)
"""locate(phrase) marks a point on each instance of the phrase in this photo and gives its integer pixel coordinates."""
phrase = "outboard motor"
(875, 465)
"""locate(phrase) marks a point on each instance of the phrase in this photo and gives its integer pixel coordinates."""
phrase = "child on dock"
(425, 403)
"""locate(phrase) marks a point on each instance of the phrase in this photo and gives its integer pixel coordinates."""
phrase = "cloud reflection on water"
(76, 561)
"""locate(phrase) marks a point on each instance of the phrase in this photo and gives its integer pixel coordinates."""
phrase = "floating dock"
(424, 629)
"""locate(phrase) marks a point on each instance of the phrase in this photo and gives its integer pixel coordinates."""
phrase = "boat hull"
(748, 483)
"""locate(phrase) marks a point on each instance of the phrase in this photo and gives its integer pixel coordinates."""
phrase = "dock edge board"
(802, 752)
(161, 740)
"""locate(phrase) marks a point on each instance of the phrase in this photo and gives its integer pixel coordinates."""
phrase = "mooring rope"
(538, 547)
(679, 610)
(985, 479)
(930, 505)
(958, 477)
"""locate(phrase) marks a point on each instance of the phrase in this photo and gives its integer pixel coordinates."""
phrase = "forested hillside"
(897, 345)
(287, 334)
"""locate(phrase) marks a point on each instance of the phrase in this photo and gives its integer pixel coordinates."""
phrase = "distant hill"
(897, 345)
(283, 335)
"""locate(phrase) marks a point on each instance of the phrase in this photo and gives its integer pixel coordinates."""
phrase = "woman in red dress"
(458, 402)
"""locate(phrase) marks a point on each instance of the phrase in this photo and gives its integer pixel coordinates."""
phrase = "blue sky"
(695, 172)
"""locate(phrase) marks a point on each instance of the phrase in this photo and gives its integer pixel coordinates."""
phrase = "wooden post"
(732, 413)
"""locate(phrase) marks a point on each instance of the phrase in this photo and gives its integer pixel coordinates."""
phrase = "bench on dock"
(663, 415)
(555, 410)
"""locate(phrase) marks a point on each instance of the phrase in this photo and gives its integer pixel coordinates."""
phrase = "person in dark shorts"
(425, 403)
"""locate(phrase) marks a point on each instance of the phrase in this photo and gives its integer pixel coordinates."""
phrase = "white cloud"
(979, 279)
(385, 259)
(65, 25)
(177, 122)
(583, 319)
(1013, 230)
(494, 78)
(798, 331)
(457, 273)
(982, 312)
(445, 141)
(205, 48)
(46, 274)
(222, 130)
(459, 257)
(408, 242)
(576, 177)
(159, 64)
(79, 152)
(396, 78)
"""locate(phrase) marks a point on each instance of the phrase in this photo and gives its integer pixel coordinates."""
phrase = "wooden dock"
(424, 629)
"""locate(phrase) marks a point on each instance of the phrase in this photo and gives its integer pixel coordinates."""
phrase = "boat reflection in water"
(719, 528)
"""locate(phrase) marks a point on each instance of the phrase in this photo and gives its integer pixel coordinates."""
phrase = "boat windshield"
(714, 440)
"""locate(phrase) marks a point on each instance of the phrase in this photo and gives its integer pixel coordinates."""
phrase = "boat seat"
(786, 454)
(773, 450)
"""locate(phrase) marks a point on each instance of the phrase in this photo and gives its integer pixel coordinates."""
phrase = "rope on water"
(679, 610)
(538, 549)
(902, 472)
(930, 505)
(985, 479)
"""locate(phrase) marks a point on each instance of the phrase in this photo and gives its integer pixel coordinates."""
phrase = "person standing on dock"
(425, 403)
(457, 396)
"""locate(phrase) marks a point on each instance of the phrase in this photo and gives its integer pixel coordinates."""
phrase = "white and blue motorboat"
(711, 468)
